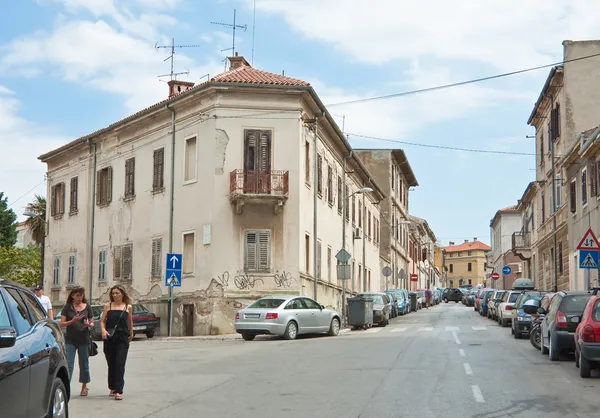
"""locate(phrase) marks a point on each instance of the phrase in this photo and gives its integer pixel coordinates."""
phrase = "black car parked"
(34, 377)
(452, 295)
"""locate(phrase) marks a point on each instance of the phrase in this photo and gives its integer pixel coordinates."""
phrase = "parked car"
(402, 302)
(286, 316)
(469, 298)
(381, 308)
(483, 305)
(493, 304)
(505, 310)
(393, 304)
(452, 295)
(521, 322)
(561, 321)
(587, 337)
(34, 376)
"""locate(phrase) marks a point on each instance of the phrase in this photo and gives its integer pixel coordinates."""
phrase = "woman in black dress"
(117, 332)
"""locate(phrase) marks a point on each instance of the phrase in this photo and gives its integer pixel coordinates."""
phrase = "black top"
(118, 320)
(77, 333)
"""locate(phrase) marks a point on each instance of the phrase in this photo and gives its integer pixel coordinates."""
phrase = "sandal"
(112, 393)
(84, 392)
(118, 396)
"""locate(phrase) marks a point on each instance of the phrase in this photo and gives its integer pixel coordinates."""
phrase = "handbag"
(93, 350)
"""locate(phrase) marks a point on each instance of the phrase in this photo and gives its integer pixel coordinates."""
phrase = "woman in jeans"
(78, 318)
(117, 332)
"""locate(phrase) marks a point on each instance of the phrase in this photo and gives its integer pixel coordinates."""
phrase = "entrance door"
(257, 162)
(188, 320)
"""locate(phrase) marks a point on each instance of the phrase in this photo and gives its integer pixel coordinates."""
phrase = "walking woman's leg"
(71, 350)
(109, 353)
(122, 348)
(84, 367)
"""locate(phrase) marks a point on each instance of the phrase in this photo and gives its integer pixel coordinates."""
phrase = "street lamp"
(32, 214)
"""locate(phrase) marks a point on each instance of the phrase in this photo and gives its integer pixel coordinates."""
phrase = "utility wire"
(22, 196)
(461, 83)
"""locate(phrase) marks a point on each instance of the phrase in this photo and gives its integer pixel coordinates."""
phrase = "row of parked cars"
(555, 322)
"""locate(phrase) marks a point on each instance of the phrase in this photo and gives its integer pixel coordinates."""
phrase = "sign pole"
(174, 267)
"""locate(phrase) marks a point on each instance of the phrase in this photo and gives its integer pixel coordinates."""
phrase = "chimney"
(451, 243)
(466, 241)
(177, 87)
(474, 239)
(237, 62)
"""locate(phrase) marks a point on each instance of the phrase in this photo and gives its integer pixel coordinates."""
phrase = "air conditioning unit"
(357, 233)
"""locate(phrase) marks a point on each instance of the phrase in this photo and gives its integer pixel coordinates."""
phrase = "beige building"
(421, 254)
(568, 105)
(503, 225)
(581, 166)
(226, 173)
(466, 263)
(392, 171)
(439, 261)
(522, 239)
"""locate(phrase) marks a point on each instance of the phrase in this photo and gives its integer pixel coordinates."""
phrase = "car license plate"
(252, 315)
(139, 328)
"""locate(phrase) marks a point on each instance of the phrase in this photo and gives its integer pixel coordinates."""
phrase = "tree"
(8, 223)
(21, 265)
(37, 224)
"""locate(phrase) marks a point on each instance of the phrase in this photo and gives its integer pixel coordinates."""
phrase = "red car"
(587, 337)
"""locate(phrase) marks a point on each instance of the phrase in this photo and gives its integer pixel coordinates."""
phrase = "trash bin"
(413, 301)
(360, 312)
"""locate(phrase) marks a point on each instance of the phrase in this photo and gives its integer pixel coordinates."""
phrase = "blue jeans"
(84, 361)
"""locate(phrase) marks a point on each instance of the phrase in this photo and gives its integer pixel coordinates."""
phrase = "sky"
(70, 67)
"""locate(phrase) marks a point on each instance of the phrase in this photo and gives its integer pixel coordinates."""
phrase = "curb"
(225, 337)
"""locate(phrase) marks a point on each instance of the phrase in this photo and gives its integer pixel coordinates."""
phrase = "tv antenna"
(171, 57)
(233, 27)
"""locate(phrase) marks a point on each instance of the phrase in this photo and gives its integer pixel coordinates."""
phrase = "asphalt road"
(443, 362)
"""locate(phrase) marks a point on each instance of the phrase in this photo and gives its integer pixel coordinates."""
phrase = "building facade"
(521, 240)
(421, 253)
(439, 261)
(568, 105)
(236, 174)
(466, 263)
(503, 225)
(392, 171)
(24, 237)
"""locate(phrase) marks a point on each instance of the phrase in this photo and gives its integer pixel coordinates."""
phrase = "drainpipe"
(171, 210)
(93, 218)
(364, 243)
(344, 210)
(317, 181)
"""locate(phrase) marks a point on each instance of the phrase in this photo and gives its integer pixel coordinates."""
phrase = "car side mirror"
(8, 337)
(541, 310)
(322, 307)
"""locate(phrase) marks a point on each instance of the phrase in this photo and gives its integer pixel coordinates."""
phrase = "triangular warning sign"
(589, 262)
(173, 280)
(589, 241)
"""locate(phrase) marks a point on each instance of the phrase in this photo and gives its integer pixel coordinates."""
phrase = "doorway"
(188, 320)
(257, 162)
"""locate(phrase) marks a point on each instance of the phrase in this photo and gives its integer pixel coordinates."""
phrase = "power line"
(441, 146)
(30, 190)
(461, 83)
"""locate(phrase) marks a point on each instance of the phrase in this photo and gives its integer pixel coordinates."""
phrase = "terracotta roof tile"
(468, 246)
(247, 74)
(512, 208)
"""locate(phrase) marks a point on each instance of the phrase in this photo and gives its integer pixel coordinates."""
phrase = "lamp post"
(43, 249)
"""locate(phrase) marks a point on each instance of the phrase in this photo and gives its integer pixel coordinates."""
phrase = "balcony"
(521, 245)
(259, 188)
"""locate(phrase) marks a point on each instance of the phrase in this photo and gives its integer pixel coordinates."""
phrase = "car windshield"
(528, 296)
(596, 312)
(139, 308)
(574, 303)
(266, 304)
(513, 297)
(377, 299)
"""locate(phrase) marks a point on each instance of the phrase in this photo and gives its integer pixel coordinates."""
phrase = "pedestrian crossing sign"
(588, 259)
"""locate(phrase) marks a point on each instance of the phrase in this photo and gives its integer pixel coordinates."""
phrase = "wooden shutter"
(109, 183)
(63, 198)
(320, 174)
(101, 265)
(127, 261)
(593, 179)
(156, 257)
(53, 202)
(264, 250)
(99, 187)
(250, 259)
(319, 262)
(158, 169)
(117, 260)
(329, 184)
(348, 204)
(264, 164)
(130, 177)
(598, 178)
(74, 193)
(572, 196)
(339, 193)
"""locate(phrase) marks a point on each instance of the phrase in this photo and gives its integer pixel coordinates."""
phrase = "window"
(127, 264)
(369, 223)
(320, 175)
(348, 204)
(543, 197)
(353, 275)
(542, 148)
(102, 265)
(470, 281)
(190, 164)
(340, 198)
(306, 253)
(584, 187)
(572, 196)
(158, 170)
(598, 178)
(156, 267)
(117, 261)
(354, 210)
(469, 267)
(73, 195)
(130, 178)
(360, 216)
(104, 186)
(258, 250)
(593, 179)
(21, 318)
(560, 257)
(307, 162)
(35, 309)
(56, 271)
(57, 206)
(319, 259)
(393, 177)
(451, 268)
(469, 252)
(189, 243)
(329, 185)
(71, 271)
(555, 123)
(329, 261)
(359, 281)
(558, 193)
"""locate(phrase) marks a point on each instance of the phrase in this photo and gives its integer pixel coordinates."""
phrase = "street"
(446, 361)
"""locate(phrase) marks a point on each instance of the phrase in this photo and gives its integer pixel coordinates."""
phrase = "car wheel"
(150, 334)
(585, 367)
(543, 349)
(248, 337)
(334, 328)
(291, 331)
(446, 300)
(554, 353)
(59, 404)
(456, 301)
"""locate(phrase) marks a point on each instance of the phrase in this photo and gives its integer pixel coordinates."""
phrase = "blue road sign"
(588, 259)
(506, 270)
(173, 271)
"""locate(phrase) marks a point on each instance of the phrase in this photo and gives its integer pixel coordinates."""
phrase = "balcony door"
(257, 162)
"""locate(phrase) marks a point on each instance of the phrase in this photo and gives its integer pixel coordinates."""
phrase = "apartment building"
(421, 248)
(236, 174)
(503, 225)
(466, 263)
(392, 171)
(521, 240)
(568, 105)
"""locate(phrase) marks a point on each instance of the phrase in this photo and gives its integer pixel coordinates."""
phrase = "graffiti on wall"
(283, 279)
(245, 281)
(223, 279)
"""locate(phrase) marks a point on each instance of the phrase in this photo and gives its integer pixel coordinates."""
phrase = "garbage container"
(413, 301)
(360, 312)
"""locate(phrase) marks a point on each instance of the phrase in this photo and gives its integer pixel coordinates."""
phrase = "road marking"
(426, 329)
(461, 352)
(468, 369)
(479, 328)
(373, 330)
(399, 329)
(477, 394)
(456, 338)
(452, 328)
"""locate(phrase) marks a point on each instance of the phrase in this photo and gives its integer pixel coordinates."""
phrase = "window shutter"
(264, 250)
(127, 261)
(572, 196)
(251, 251)
(156, 257)
(99, 187)
(101, 265)
(108, 184)
(598, 178)
(319, 262)
(117, 260)
(53, 202)
(129, 177)
(265, 151)
(593, 179)
(320, 174)
(74, 192)
(63, 198)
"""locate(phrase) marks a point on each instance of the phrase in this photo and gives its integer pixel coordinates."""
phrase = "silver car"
(286, 316)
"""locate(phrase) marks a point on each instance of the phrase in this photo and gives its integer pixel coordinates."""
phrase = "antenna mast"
(171, 57)
(234, 27)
